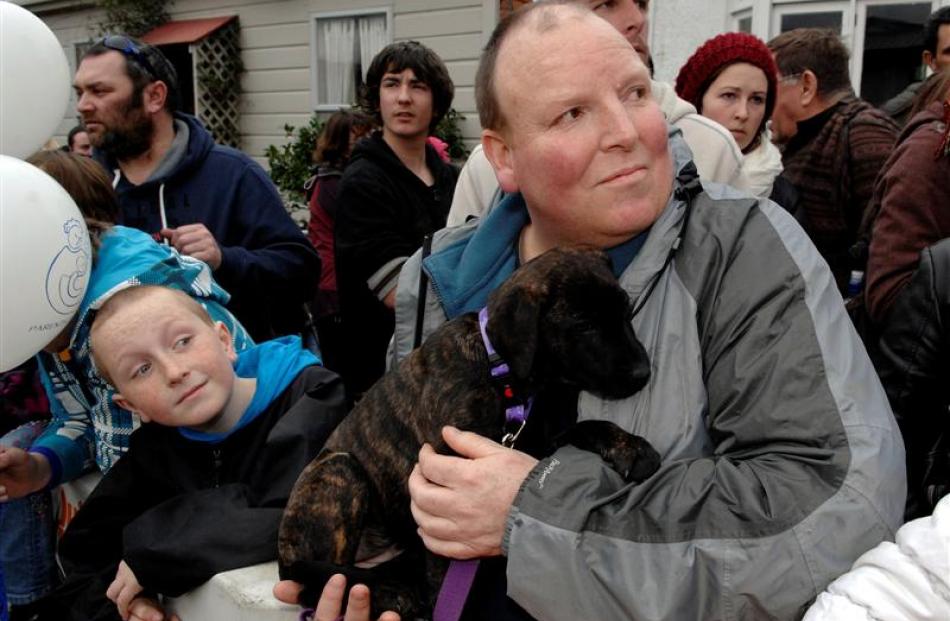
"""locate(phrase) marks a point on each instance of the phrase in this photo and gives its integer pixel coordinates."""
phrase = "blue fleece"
(85, 423)
(275, 364)
(464, 274)
(266, 260)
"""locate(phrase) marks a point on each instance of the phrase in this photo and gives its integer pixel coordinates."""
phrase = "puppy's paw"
(631, 456)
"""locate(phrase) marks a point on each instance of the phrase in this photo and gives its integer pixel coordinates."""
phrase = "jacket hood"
(761, 166)
(199, 144)
(933, 112)
(275, 364)
(375, 149)
(670, 103)
(129, 257)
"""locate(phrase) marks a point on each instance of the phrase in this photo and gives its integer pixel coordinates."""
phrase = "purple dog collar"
(516, 410)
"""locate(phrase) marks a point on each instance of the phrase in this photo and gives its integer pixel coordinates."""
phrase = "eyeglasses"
(129, 49)
(790, 77)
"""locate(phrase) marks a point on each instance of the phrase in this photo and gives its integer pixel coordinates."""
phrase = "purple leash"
(461, 574)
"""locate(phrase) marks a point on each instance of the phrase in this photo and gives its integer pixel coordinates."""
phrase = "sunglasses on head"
(129, 49)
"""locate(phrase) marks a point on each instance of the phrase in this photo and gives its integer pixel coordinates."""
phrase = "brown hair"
(333, 145)
(818, 50)
(936, 88)
(123, 298)
(486, 99)
(88, 185)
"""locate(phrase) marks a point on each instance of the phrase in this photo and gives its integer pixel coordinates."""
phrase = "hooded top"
(384, 213)
(183, 505)
(85, 423)
(267, 264)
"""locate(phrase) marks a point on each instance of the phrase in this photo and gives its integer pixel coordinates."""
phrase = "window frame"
(314, 71)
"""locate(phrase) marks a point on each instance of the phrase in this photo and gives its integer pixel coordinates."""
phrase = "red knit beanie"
(716, 54)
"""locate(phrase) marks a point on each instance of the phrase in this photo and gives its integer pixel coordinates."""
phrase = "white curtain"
(372, 39)
(338, 58)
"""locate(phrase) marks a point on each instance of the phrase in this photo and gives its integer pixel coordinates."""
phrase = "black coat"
(914, 364)
(179, 511)
(384, 213)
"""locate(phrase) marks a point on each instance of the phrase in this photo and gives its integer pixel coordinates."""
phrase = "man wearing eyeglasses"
(209, 201)
(834, 144)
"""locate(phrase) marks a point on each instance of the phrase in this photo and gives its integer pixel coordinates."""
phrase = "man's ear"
(224, 335)
(928, 59)
(500, 156)
(125, 404)
(809, 83)
(154, 96)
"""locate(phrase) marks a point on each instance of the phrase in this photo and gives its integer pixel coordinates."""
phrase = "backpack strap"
(423, 288)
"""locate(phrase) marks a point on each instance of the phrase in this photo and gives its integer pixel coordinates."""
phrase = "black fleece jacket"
(179, 511)
(384, 213)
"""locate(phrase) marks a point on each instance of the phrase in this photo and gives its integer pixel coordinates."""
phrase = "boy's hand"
(124, 589)
(145, 609)
(331, 600)
(22, 473)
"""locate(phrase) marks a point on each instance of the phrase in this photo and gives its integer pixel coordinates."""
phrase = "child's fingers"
(331, 600)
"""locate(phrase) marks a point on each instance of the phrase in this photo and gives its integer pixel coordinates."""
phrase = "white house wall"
(275, 47)
(681, 26)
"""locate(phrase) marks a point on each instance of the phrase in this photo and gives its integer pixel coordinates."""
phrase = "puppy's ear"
(513, 324)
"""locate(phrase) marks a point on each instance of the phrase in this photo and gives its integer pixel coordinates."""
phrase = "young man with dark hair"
(395, 191)
(210, 202)
(834, 143)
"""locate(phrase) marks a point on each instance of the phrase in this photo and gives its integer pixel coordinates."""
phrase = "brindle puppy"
(561, 319)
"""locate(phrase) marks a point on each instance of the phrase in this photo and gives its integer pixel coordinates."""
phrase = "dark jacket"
(833, 161)
(323, 197)
(267, 265)
(385, 211)
(912, 205)
(181, 506)
(914, 364)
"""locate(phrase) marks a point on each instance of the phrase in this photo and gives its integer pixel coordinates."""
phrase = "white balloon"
(34, 81)
(45, 260)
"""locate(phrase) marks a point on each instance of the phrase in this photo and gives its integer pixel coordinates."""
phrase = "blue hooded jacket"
(85, 423)
(268, 265)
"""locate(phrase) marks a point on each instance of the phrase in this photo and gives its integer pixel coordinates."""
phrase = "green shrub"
(291, 164)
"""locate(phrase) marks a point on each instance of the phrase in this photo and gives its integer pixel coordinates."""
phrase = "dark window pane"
(892, 47)
(826, 19)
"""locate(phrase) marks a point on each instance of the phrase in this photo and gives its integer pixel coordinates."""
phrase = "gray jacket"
(782, 462)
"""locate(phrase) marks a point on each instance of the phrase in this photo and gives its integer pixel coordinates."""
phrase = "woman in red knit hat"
(731, 79)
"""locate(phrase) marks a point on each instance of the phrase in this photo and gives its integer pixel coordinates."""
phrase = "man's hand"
(331, 600)
(461, 503)
(22, 473)
(124, 589)
(195, 240)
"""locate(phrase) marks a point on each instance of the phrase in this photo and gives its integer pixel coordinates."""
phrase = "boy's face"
(167, 364)
(405, 104)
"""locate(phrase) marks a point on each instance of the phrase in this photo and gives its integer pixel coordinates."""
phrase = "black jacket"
(384, 213)
(914, 364)
(179, 511)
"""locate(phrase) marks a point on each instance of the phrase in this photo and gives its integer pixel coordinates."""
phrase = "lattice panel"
(217, 84)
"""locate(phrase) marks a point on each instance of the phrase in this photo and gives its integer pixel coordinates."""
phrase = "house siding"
(275, 41)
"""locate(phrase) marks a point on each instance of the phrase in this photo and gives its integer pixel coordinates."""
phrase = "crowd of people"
(781, 241)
